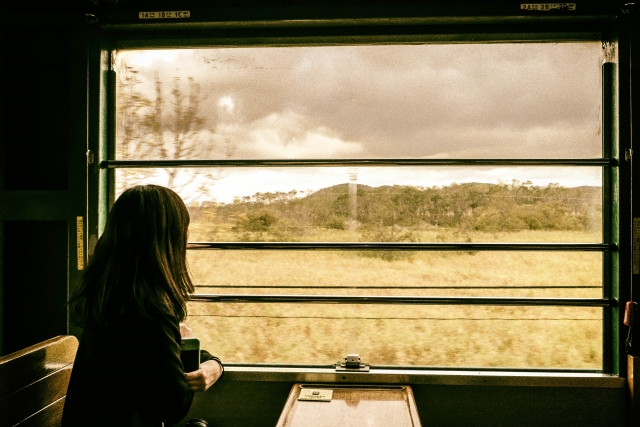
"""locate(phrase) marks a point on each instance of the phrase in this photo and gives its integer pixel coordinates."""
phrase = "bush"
(335, 222)
(494, 220)
(259, 221)
(388, 234)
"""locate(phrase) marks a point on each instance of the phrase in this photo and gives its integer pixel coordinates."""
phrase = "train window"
(432, 205)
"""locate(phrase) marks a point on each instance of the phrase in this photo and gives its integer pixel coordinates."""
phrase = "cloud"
(152, 58)
(227, 103)
(285, 135)
(561, 141)
(532, 100)
(239, 182)
(396, 100)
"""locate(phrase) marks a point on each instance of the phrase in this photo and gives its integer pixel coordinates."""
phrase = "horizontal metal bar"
(457, 370)
(198, 38)
(203, 24)
(391, 287)
(438, 319)
(457, 376)
(113, 164)
(404, 300)
(401, 246)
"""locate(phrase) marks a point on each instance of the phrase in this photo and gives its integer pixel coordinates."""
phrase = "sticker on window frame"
(174, 14)
(80, 241)
(547, 7)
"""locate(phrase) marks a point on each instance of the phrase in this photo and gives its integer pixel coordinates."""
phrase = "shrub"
(335, 222)
(388, 234)
(258, 221)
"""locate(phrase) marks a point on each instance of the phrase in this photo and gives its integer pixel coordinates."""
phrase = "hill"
(473, 206)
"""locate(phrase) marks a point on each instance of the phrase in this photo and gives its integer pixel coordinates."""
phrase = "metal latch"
(352, 363)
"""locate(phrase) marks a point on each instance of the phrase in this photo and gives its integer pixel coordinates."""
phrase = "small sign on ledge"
(321, 395)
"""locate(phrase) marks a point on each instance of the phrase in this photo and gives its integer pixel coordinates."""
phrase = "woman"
(131, 300)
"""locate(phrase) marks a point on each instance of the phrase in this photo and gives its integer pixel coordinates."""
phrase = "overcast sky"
(409, 101)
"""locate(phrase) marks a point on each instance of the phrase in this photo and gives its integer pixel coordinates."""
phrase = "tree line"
(503, 207)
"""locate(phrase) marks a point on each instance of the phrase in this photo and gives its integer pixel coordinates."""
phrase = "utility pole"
(353, 197)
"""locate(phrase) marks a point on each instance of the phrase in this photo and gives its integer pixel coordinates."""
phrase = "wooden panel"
(35, 281)
(490, 406)
(240, 403)
(633, 377)
(351, 406)
(51, 416)
(19, 369)
(28, 400)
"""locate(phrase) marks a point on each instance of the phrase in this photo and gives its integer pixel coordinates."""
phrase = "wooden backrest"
(33, 382)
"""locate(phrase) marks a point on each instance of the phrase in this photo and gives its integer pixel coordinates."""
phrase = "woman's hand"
(204, 377)
(209, 371)
(185, 331)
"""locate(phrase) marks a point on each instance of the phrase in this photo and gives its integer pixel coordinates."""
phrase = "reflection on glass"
(385, 204)
(464, 274)
(533, 100)
(445, 336)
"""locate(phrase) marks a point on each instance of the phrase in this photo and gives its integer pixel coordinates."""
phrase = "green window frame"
(126, 33)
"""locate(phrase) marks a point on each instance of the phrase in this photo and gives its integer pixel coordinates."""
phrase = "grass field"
(448, 336)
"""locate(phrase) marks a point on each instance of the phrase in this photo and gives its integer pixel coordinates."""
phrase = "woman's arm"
(167, 396)
(210, 370)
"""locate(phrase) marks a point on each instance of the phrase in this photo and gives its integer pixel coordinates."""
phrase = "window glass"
(424, 103)
(386, 204)
(435, 336)
(534, 100)
(399, 273)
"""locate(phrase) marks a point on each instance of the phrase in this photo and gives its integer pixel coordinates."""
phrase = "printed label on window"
(544, 7)
(80, 241)
(165, 15)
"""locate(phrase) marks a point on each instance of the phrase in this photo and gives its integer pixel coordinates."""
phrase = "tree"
(147, 130)
(131, 124)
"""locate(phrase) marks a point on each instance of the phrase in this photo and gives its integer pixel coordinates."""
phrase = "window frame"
(123, 32)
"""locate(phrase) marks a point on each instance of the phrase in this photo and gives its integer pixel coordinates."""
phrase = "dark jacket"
(132, 370)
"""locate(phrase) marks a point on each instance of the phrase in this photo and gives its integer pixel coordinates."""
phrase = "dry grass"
(451, 336)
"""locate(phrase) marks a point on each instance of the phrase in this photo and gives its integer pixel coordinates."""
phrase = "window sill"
(425, 377)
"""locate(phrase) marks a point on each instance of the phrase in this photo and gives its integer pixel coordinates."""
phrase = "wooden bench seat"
(34, 381)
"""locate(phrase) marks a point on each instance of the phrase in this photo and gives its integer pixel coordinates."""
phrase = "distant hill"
(478, 206)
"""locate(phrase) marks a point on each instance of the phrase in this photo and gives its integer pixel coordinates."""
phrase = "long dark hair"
(139, 264)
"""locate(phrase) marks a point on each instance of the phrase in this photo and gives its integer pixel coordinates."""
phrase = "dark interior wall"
(42, 167)
(520, 406)
(35, 282)
(259, 403)
(37, 110)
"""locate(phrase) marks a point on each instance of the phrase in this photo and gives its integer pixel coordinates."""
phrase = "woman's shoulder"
(156, 321)
(136, 324)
